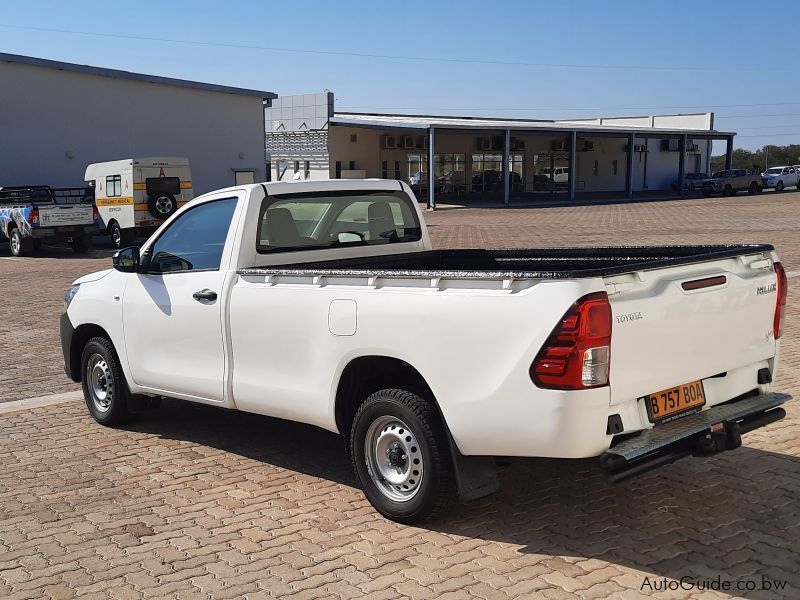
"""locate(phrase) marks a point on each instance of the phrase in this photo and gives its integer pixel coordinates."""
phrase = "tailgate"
(680, 324)
(65, 214)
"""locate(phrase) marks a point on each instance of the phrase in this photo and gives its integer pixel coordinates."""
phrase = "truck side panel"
(287, 361)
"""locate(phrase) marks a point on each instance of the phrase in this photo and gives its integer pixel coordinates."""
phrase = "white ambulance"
(135, 195)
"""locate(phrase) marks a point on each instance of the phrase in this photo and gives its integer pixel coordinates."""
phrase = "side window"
(114, 186)
(195, 240)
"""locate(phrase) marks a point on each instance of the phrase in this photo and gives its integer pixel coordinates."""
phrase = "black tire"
(435, 488)
(120, 238)
(20, 245)
(37, 244)
(80, 244)
(728, 191)
(779, 186)
(162, 206)
(753, 189)
(100, 370)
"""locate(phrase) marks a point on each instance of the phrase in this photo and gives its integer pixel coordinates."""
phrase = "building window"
(338, 169)
(385, 169)
(397, 174)
(352, 166)
(353, 137)
(297, 166)
(113, 186)
(616, 167)
(417, 169)
(596, 169)
(487, 172)
(307, 168)
(450, 172)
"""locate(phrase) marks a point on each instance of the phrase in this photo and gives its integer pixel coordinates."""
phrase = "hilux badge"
(766, 289)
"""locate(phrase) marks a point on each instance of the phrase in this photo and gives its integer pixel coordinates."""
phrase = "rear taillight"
(780, 306)
(95, 213)
(34, 216)
(577, 355)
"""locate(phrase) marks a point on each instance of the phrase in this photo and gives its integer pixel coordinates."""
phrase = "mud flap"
(476, 476)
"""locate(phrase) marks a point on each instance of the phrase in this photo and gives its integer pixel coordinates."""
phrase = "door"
(244, 177)
(172, 311)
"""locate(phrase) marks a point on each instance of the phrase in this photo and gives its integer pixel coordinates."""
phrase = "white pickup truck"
(324, 302)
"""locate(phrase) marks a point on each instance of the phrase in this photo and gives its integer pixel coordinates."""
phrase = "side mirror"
(126, 260)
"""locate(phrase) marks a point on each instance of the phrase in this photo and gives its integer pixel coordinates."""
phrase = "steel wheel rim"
(394, 458)
(15, 244)
(164, 205)
(100, 383)
(116, 236)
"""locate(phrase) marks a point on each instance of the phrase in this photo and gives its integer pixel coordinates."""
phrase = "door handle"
(205, 294)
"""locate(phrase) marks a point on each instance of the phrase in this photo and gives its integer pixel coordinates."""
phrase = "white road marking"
(29, 403)
(9, 258)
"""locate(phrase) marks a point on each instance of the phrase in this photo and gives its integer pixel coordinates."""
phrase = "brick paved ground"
(189, 502)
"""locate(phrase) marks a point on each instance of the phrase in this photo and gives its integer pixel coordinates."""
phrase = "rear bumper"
(708, 432)
(62, 233)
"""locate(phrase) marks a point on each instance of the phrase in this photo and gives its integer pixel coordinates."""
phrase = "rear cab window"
(319, 220)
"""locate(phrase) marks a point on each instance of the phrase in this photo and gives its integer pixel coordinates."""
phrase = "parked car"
(780, 177)
(691, 182)
(324, 302)
(31, 215)
(731, 181)
(135, 195)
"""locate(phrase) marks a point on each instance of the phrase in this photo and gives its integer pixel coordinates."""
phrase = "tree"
(759, 160)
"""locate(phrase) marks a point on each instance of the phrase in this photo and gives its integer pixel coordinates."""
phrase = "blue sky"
(500, 58)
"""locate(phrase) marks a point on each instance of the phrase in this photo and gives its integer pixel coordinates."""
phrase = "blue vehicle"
(30, 215)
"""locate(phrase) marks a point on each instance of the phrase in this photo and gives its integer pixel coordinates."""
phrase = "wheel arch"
(81, 335)
(365, 375)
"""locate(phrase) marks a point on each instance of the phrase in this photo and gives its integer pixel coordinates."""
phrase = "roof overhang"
(413, 123)
(118, 74)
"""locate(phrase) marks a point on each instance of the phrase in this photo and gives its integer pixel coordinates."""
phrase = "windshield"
(775, 171)
(721, 174)
(310, 221)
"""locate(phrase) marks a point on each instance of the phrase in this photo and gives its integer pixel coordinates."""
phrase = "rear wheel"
(121, 238)
(401, 456)
(104, 387)
(779, 186)
(20, 245)
(80, 244)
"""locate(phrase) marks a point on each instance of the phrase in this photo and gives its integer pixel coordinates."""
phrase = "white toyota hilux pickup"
(324, 302)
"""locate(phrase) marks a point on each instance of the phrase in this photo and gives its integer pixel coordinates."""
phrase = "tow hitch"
(706, 433)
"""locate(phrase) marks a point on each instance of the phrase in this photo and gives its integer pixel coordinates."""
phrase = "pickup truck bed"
(527, 263)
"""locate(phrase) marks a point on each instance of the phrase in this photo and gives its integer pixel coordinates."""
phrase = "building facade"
(56, 118)
(485, 160)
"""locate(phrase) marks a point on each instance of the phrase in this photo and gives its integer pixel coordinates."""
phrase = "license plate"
(674, 402)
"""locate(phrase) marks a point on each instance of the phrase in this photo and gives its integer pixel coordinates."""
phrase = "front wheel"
(104, 387)
(728, 191)
(779, 186)
(753, 189)
(401, 456)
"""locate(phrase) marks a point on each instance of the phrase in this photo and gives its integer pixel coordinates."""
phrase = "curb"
(30, 403)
